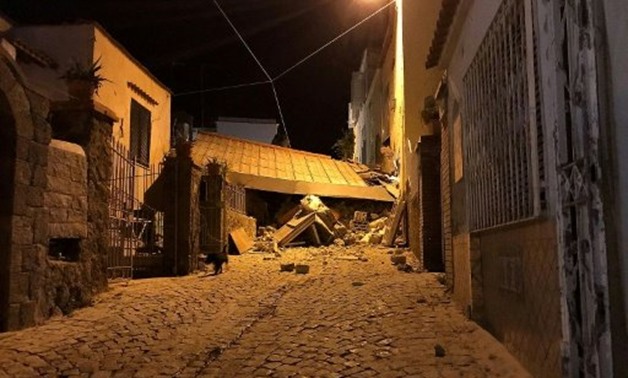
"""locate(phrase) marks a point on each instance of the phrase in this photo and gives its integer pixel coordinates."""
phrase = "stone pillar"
(90, 126)
(182, 215)
(29, 218)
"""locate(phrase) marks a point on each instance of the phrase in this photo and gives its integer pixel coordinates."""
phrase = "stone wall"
(25, 220)
(66, 196)
(7, 172)
(34, 286)
(78, 196)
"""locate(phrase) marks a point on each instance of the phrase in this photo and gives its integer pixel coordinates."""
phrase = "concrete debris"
(302, 269)
(340, 230)
(398, 259)
(405, 268)
(312, 223)
(347, 257)
(439, 351)
(289, 267)
(339, 243)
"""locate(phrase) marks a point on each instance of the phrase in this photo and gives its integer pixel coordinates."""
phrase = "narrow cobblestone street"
(347, 317)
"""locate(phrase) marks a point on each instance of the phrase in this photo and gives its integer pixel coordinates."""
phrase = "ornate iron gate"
(135, 229)
(217, 196)
(569, 42)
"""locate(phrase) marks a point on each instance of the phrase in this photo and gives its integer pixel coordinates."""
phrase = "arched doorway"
(7, 170)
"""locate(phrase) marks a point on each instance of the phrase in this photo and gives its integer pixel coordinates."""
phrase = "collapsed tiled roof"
(268, 167)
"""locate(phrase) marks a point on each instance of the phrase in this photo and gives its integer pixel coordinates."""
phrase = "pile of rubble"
(315, 224)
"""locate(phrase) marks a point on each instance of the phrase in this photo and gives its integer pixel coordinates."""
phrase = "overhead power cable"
(261, 66)
(224, 88)
(272, 80)
(333, 40)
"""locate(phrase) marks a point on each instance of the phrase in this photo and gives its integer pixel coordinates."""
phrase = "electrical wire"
(261, 66)
(272, 83)
(217, 89)
(333, 40)
(272, 80)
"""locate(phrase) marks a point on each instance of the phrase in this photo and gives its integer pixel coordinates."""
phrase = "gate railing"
(135, 229)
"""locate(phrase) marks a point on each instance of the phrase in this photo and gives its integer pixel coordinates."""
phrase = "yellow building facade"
(129, 90)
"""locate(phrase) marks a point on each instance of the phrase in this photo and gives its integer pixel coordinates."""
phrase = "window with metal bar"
(140, 133)
(503, 147)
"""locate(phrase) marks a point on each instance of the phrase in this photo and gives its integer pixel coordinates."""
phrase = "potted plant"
(83, 81)
(430, 113)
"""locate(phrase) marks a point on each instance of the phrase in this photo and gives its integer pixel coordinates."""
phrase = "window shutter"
(140, 133)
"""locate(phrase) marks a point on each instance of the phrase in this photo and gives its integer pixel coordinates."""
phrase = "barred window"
(502, 128)
(140, 133)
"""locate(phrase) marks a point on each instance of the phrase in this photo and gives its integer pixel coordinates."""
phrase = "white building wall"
(249, 130)
(616, 12)
(473, 32)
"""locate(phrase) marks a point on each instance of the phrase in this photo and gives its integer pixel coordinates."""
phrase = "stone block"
(398, 259)
(19, 288)
(23, 173)
(77, 217)
(20, 200)
(43, 132)
(15, 265)
(302, 269)
(21, 221)
(60, 200)
(27, 314)
(7, 79)
(35, 197)
(13, 317)
(40, 178)
(40, 106)
(38, 154)
(79, 204)
(289, 267)
(22, 146)
(58, 215)
(40, 229)
(23, 234)
(33, 257)
(67, 230)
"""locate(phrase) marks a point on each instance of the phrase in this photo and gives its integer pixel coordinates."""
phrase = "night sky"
(188, 45)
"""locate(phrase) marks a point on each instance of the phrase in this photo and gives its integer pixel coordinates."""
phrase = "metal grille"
(235, 197)
(135, 229)
(217, 196)
(503, 155)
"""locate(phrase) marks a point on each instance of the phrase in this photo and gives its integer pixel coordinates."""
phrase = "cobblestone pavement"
(347, 317)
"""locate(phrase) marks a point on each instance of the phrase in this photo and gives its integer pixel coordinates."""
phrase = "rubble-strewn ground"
(347, 317)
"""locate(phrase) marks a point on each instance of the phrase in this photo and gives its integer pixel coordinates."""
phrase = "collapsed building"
(216, 191)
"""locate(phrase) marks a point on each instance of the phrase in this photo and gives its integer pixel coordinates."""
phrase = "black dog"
(217, 259)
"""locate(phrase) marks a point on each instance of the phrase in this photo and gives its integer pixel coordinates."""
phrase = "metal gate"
(569, 40)
(135, 229)
(217, 196)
